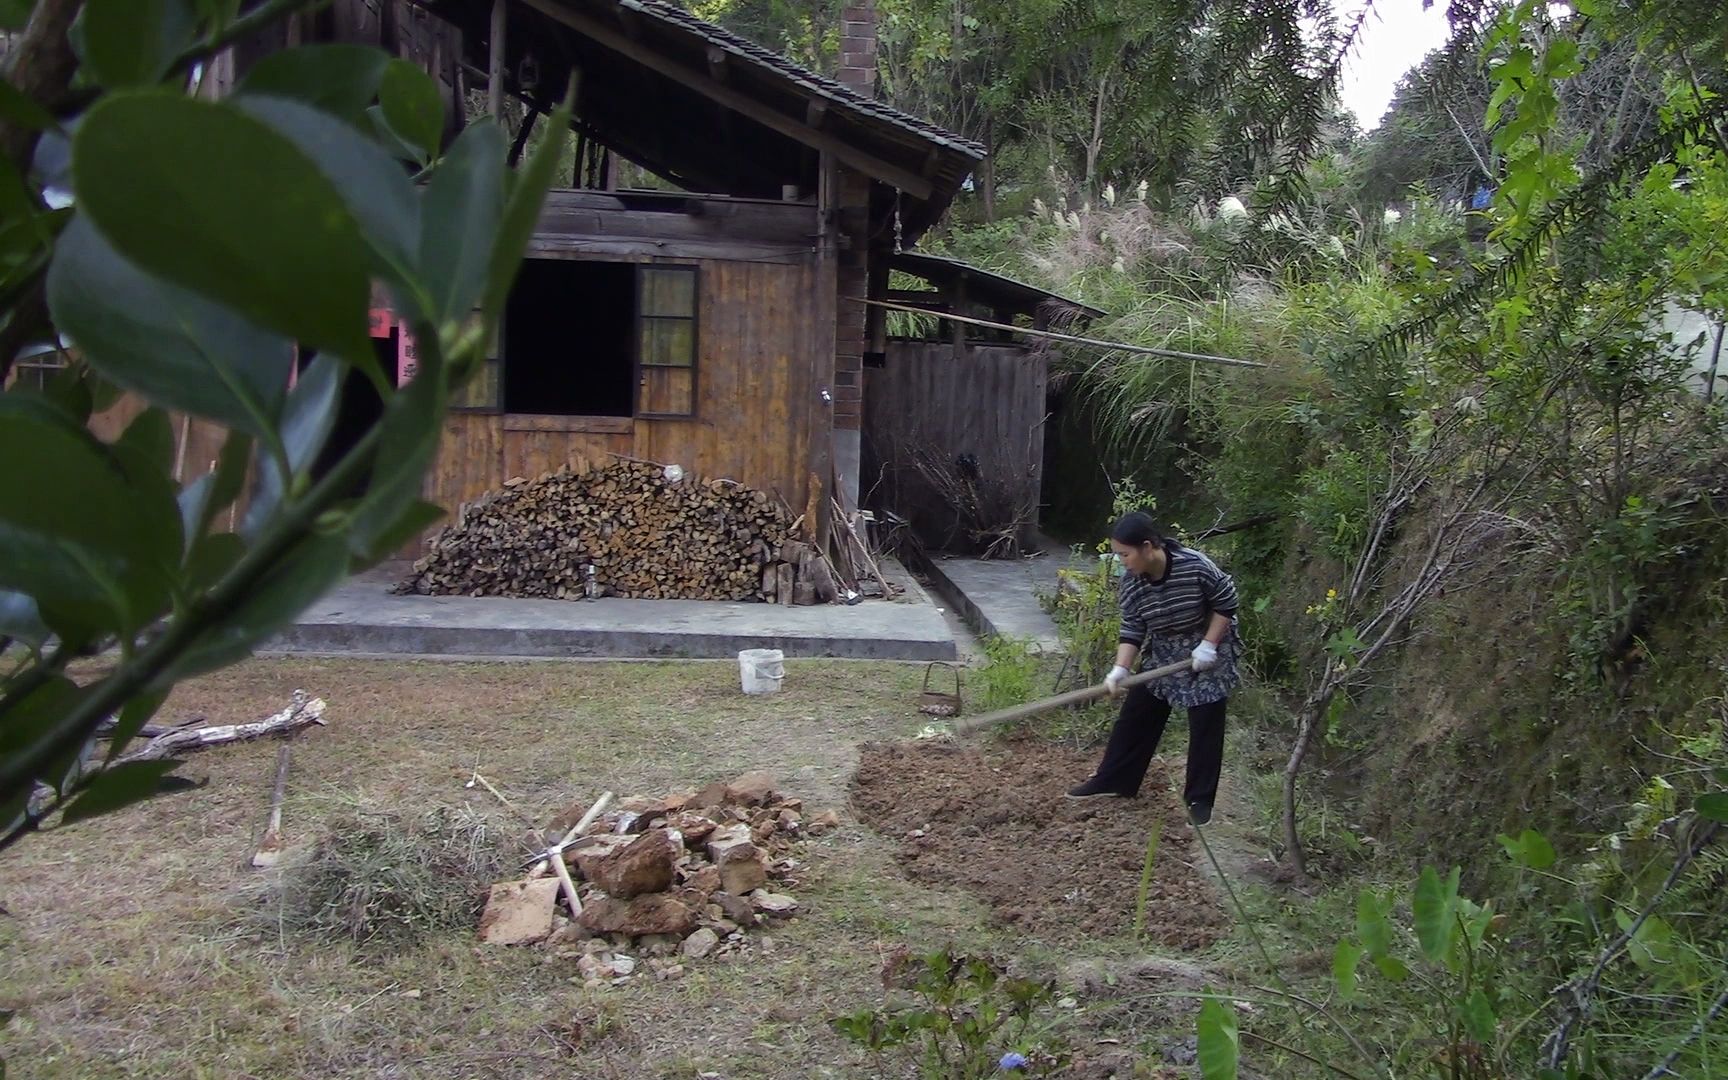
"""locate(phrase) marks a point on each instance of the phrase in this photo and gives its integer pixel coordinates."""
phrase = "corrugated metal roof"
(941, 270)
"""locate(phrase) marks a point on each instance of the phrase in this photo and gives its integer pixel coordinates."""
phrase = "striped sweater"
(1179, 604)
(1168, 617)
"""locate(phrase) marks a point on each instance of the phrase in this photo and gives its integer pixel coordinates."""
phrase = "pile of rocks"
(660, 882)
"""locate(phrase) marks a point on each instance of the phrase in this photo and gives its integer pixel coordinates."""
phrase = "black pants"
(1135, 737)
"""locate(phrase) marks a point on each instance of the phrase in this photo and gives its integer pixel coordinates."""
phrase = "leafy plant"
(969, 1021)
(1087, 615)
(1337, 497)
(218, 260)
(1010, 672)
(1143, 896)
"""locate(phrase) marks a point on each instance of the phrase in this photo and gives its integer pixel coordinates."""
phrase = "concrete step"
(361, 618)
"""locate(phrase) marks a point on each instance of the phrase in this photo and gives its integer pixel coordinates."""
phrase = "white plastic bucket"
(760, 670)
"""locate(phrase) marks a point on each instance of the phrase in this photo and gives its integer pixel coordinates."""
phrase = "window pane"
(668, 342)
(668, 292)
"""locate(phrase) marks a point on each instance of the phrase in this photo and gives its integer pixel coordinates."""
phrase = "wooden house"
(721, 326)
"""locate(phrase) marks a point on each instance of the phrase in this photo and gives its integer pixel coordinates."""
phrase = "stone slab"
(361, 617)
(1001, 596)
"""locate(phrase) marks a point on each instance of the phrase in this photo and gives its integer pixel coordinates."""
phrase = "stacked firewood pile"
(632, 529)
(646, 886)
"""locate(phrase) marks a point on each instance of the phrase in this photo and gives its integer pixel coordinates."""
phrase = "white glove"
(1205, 655)
(1113, 681)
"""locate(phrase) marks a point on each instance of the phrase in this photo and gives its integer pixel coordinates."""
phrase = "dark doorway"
(569, 339)
(360, 407)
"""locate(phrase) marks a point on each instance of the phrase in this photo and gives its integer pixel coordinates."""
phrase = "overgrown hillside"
(1475, 500)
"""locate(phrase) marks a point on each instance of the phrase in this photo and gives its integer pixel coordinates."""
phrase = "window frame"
(500, 361)
(641, 321)
(38, 368)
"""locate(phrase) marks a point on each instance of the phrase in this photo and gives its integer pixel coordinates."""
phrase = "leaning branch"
(301, 712)
(1662, 1067)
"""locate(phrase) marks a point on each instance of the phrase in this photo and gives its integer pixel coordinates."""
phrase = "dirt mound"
(995, 823)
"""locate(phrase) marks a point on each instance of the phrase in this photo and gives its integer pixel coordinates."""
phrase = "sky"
(1397, 36)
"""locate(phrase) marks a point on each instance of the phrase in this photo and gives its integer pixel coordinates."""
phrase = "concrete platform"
(1001, 596)
(362, 618)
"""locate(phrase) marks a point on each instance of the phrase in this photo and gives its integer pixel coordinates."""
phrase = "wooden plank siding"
(639, 228)
(470, 460)
(536, 453)
(756, 402)
(988, 402)
(756, 407)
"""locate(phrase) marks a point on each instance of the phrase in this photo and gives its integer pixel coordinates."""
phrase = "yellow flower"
(1331, 594)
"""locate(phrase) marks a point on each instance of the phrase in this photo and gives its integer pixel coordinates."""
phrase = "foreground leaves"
(216, 254)
(1219, 1046)
(238, 215)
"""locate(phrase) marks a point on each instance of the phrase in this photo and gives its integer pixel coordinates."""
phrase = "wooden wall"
(988, 402)
(197, 443)
(755, 402)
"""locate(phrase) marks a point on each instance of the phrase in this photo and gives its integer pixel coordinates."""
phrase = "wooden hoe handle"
(1061, 701)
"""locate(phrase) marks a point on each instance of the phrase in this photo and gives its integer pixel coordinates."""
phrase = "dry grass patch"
(143, 945)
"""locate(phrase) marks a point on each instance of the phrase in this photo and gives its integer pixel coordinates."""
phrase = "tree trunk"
(987, 171)
(1096, 143)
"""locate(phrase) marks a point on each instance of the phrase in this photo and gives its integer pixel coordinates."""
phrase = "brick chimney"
(858, 46)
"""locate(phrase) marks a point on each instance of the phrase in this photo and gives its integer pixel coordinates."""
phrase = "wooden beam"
(1051, 335)
(910, 183)
(878, 274)
(717, 63)
(645, 248)
(495, 62)
(917, 297)
(815, 114)
(957, 302)
(824, 329)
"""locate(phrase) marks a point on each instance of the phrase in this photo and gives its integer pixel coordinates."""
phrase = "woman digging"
(1176, 605)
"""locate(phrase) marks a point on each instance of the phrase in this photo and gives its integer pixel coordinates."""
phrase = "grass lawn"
(136, 944)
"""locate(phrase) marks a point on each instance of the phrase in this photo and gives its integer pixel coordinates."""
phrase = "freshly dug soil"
(996, 824)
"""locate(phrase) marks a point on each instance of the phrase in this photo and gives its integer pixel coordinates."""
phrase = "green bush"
(1010, 672)
(1335, 498)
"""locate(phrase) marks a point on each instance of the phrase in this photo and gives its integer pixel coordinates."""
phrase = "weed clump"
(386, 879)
